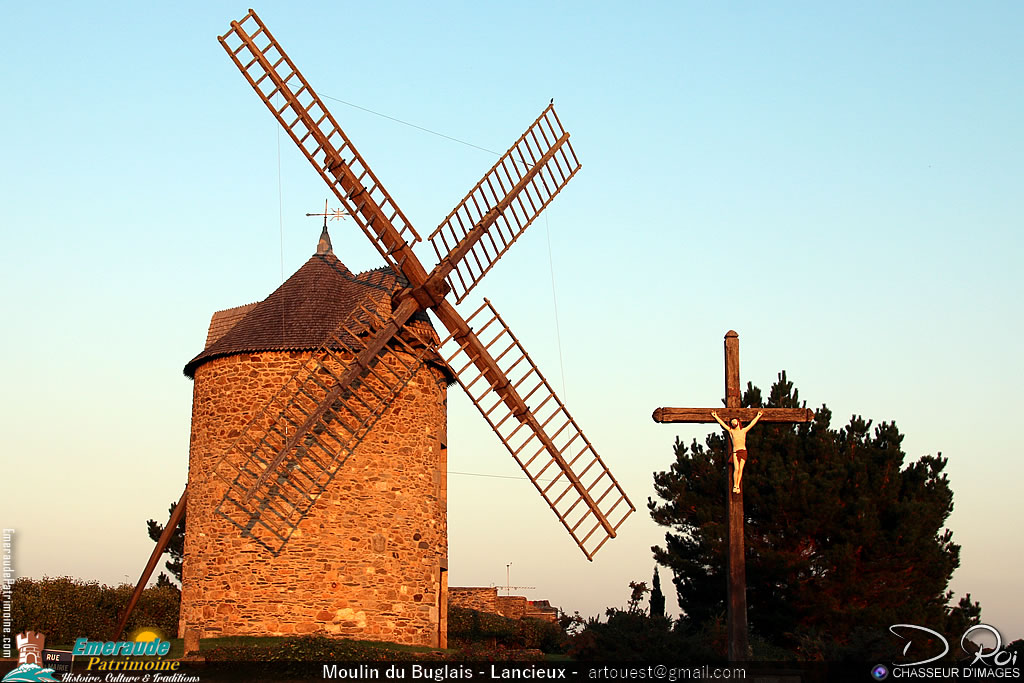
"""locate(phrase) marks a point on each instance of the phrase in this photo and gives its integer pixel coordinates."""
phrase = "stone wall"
(480, 599)
(369, 561)
(511, 606)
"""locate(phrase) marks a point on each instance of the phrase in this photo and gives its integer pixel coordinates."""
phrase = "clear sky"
(838, 182)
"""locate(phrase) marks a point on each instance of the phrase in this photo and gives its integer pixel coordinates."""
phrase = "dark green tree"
(176, 548)
(637, 590)
(632, 635)
(843, 539)
(657, 597)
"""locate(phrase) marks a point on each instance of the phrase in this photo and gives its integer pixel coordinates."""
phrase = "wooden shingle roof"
(223, 321)
(300, 314)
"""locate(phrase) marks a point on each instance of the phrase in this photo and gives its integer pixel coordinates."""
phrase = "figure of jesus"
(738, 438)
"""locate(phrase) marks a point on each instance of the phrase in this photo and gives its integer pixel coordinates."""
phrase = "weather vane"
(331, 214)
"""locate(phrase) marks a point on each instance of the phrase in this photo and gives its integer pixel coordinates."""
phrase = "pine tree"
(842, 539)
(657, 597)
(176, 547)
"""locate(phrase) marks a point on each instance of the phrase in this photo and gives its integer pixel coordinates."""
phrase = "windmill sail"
(311, 126)
(289, 453)
(504, 203)
(545, 441)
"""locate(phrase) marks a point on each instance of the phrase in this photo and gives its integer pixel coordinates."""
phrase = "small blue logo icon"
(880, 672)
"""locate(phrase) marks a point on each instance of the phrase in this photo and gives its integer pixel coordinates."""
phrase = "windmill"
(277, 468)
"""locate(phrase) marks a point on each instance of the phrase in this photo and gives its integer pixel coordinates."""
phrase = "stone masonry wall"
(480, 599)
(518, 607)
(512, 606)
(367, 561)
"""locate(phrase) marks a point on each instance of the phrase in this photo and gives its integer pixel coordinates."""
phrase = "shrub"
(65, 609)
(468, 627)
(541, 635)
(636, 636)
(311, 648)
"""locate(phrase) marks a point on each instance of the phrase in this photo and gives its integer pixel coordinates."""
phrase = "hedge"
(65, 609)
(471, 626)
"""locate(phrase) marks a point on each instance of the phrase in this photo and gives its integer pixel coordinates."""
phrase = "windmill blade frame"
(278, 466)
(503, 204)
(314, 130)
(544, 440)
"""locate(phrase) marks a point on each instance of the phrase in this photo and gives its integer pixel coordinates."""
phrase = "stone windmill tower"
(316, 476)
(369, 559)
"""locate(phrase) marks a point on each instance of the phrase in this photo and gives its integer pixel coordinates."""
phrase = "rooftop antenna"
(508, 582)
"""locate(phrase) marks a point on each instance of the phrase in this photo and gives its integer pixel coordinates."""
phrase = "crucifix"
(732, 417)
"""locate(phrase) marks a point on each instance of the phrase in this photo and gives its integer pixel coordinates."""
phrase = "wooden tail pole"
(161, 546)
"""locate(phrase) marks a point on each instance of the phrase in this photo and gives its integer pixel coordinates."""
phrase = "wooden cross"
(736, 586)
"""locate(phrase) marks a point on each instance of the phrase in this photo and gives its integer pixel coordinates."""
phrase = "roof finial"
(324, 246)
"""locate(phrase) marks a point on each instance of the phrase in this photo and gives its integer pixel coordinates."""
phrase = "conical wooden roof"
(300, 314)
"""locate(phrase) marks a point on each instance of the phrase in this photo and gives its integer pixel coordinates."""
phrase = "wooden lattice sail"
(545, 440)
(289, 453)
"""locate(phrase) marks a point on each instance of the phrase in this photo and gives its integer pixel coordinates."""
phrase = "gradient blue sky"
(839, 182)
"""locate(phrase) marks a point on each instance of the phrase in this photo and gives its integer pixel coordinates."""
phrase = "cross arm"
(700, 415)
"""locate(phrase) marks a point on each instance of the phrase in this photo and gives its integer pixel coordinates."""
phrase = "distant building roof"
(301, 313)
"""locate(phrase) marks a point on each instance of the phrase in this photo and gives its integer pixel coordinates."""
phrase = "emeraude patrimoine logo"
(121, 648)
(118, 655)
(109, 655)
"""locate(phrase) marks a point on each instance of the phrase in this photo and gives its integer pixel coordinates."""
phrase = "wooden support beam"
(736, 565)
(702, 415)
(161, 547)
